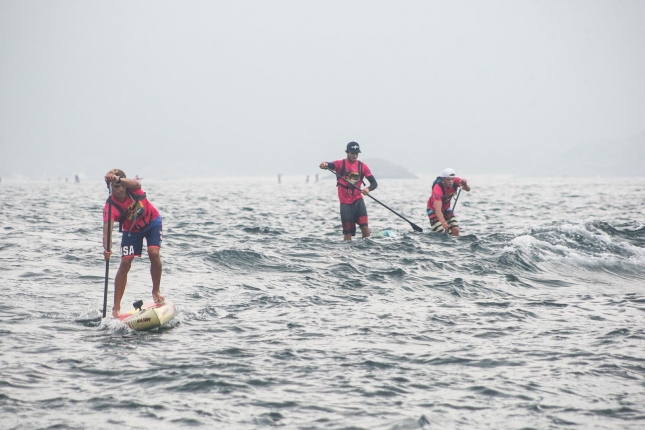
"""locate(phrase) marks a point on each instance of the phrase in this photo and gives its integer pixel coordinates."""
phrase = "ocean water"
(533, 318)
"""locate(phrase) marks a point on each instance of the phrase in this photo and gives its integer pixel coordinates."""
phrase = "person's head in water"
(352, 151)
(448, 177)
(118, 190)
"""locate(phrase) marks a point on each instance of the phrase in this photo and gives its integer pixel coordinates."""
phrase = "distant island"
(384, 169)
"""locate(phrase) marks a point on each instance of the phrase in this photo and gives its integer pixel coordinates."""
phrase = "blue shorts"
(132, 243)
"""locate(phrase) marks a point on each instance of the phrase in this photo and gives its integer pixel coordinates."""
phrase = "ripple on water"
(530, 319)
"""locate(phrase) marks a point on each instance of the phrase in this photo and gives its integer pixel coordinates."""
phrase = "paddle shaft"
(414, 226)
(109, 246)
(457, 198)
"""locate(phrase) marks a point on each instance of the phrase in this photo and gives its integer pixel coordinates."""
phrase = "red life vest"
(447, 194)
(122, 212)
(343, 171)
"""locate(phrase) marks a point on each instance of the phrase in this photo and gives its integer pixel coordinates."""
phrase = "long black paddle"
(413, 225)
(109, 246)
(457, 198)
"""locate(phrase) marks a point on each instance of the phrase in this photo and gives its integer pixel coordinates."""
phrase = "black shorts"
(353, 214)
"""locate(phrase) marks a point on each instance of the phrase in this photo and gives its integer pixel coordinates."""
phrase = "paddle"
(457, 198)
(413, 225)
(109, 245)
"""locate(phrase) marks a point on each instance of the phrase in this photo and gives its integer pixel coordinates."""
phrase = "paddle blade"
(416, 227)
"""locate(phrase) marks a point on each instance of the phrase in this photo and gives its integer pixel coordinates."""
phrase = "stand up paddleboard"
(148, 316)
(386, 233)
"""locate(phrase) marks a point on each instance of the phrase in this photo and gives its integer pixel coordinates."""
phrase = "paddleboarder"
(443, 189)
(138, 219)
(352, 205)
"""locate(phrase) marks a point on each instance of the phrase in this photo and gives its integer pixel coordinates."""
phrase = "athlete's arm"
(372, 187)
(328, 165)
(464, 184)
(106, 253)
(131, 184)
(437, 210)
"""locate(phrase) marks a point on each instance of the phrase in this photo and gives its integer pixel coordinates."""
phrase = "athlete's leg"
(452, 222)
(360, 215)
(120, 280)
(154, 236)
(365, 230)
(347, 220)
(155, 273)
(435, 224)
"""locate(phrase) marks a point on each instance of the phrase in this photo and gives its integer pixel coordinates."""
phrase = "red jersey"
(346, 193)
(135, 213)
(438, 194)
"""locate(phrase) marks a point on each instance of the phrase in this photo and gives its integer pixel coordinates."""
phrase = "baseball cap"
(353, 147)
(448, 173)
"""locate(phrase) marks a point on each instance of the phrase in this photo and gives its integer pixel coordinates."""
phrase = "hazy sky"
(218, 88)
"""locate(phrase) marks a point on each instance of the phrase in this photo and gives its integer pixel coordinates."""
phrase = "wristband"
(118, 179)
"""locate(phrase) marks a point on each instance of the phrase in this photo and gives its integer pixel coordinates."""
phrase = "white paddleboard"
(149, 316)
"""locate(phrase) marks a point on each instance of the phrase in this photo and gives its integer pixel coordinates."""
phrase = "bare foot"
(158, 298)
(115, 312)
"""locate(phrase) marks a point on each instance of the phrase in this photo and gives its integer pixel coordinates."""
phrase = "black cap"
(353, 147)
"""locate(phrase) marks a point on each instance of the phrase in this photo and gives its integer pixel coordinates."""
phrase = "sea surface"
(533, 318)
